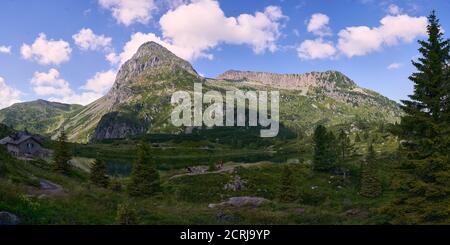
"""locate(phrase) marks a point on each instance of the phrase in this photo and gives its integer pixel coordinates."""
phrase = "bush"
(126, 215)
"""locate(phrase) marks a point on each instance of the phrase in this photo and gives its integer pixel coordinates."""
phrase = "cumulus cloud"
(5, 49)
(86, 39)
(128, 12)
(8, 95)
(394, 66)
(361, 40)
(318, 25)
(101, 82)
(84, 98)
(191, 30)
(202, 25)
(49, 83)
(139, 38)
(394, 9)
(47, 52)
(316, 49)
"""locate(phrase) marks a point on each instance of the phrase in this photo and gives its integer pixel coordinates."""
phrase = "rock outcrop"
(7, 218)
(238, 202)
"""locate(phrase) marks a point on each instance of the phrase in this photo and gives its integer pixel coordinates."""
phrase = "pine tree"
(126, 215)
(370, 184)
(357, 138)
(345, 146)
(425, 134)
(324, 149)
(145, 179)
(98, 174)
(61, 155)
(287, 187)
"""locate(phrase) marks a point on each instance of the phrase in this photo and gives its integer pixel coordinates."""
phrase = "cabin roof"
(18, 138)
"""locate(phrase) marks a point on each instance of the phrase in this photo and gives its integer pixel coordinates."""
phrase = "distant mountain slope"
(139, 101)
(39, 116)
(318, 97)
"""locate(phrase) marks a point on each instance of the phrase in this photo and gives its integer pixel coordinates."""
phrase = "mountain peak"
(291, 81)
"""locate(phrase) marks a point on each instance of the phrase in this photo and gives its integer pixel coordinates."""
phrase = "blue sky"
(57, 50)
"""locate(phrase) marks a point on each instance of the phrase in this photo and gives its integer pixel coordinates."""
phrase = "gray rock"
(237, 184)
(7, 218)
(241, 202)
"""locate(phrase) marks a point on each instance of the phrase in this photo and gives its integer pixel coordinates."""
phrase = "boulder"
(7, 218)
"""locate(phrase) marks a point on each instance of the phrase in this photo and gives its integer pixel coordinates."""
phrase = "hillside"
(139, 101)
(40, 116)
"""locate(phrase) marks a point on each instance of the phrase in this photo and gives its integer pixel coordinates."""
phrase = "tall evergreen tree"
(370, 184)
(145, 179)
(324, 149)
(287, 188)
(61, 154)
(98, 174)
(425, 134)
(126, 214)
(344, 146)
(357, 138)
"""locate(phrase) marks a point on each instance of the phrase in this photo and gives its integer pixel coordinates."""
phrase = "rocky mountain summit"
(139, 98)
(139, 101)
(303, 82)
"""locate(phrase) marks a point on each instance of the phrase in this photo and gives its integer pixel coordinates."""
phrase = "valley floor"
(320, 198)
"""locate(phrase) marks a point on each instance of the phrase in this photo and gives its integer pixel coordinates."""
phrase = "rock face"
(307, 81)
(241, 202)
(332, 84)
(7, 218)
(139, 101)
(150, 58)
(139, 97)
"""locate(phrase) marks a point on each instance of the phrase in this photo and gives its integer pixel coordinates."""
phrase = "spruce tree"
(98, 174)
(61, 154)
(126, 215)
(345, 146)
(287, 187)
(145, 179)
(324, 149)
(357, 138)
(425, 134)
(370, 184)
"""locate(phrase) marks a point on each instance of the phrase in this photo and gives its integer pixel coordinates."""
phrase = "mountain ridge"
(139, 101)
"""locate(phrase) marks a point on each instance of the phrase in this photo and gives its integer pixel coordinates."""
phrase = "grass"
(322, 198)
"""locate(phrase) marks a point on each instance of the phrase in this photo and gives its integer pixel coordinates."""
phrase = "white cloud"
(5, 49)
(86, 39)
(361, 40)
(394, 66)
(47, 52)
(191, 30)
(316, 49)
(318, 25)
(137, 39)
(84, 98)
(101, 82)
(50, 83)
(394, 9)
(128, 12)
(8, 95)
(202, 25)
(175, 3)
